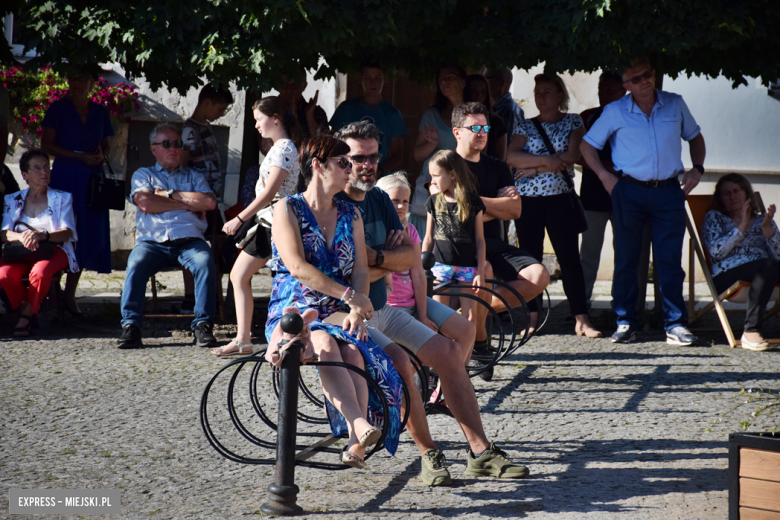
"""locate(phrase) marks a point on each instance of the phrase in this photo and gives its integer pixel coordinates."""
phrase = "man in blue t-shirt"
(385, 116)
(390, 249)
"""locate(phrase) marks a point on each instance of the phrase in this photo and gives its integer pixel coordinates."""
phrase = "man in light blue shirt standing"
(644, 129)
(170, 221)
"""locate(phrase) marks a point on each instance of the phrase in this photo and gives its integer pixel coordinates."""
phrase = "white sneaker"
(755, 347)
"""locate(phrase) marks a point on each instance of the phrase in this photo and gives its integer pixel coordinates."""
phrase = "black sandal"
(24, 330)
(72, 309)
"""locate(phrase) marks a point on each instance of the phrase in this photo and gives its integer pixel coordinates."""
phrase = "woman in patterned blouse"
(541, 180)
(743, 245)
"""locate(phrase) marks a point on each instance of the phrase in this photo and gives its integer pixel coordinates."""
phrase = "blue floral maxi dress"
(336, 263)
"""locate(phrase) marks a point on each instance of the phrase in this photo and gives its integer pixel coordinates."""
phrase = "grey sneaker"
(624, 334)
(680, 335)
(434, 472)
(493, 463)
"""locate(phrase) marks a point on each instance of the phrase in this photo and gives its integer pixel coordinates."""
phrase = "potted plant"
(754, 458)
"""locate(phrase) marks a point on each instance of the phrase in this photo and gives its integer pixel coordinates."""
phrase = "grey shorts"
(436, 312)
(396, 325)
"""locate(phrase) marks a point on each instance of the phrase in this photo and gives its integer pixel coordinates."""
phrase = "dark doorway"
(412, 100)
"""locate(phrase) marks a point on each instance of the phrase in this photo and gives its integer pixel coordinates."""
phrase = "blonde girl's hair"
(464, 180)
(395, 180)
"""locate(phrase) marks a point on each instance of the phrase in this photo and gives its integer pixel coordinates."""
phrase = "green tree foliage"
(252, 42)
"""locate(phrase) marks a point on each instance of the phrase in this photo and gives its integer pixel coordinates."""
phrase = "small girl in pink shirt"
(409, 287)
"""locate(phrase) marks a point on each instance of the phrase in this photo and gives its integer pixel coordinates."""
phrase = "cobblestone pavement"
(608, 431)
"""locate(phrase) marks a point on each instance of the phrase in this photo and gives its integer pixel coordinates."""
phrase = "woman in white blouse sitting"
(743, 246)
(33, 217)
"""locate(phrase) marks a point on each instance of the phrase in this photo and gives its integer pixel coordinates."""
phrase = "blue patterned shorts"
(444, 273)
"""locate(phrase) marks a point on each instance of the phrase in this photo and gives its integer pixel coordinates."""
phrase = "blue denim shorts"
(445, 273)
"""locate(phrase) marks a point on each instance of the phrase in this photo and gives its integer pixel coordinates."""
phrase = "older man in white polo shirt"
(644, 129)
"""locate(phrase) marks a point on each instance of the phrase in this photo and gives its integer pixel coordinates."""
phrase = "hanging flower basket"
(32, 92)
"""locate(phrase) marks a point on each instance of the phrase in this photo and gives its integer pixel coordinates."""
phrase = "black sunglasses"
(636, 80)
(374, 158)
(477, 128)
(343, 162)
(168, 143)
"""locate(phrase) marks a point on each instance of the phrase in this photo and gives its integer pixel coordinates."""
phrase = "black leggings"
(762, 275)
(555, 213)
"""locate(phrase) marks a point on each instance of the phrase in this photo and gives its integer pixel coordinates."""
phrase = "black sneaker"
(487, 374)
(130, 337)
(484, 355)
(624, 334)
(204, 336)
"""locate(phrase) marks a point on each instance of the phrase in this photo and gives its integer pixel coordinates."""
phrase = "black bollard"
(428, 261)
(283, 492)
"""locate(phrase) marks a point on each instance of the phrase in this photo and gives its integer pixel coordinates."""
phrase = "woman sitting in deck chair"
(743, 245)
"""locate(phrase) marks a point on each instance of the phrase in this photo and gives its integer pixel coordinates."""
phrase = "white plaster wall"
(583, 90)
(741, 126)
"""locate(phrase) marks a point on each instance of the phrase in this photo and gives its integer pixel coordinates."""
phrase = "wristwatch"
(380, 259)
(699, 167)
(170, 194)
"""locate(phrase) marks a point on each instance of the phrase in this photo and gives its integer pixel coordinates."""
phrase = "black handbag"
(580, 222)
(15, 252)
(104, 192)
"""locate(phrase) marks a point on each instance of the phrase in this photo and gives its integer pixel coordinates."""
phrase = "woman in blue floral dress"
(319, 256)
